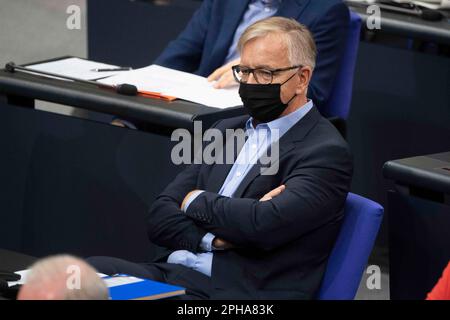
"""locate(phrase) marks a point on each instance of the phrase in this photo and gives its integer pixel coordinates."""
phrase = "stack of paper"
(76, 68)
(430, 4)
(24, 273)
(23, 278)
(155, 80)
(434, 4)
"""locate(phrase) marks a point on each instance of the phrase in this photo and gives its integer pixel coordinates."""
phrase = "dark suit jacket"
(283, 244)
(203, 46)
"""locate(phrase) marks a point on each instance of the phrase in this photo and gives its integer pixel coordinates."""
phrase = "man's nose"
(251, 79)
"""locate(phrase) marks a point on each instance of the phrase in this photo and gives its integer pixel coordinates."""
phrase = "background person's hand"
(118, 123)
(273, 193)
(224, 75)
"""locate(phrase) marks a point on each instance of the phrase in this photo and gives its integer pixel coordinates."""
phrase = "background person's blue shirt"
(257, 10)
(259, 139)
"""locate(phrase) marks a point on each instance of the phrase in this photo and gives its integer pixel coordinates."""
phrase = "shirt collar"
(283, 124)
(268, 4)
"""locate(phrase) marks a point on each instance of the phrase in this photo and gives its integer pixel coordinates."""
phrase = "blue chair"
(362, 219)
(338, 105)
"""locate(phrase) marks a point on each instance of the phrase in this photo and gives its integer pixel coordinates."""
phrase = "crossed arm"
(220, 243)
(169, 226)
(312, 196)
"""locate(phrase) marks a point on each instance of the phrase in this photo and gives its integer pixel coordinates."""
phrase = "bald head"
(63, 277)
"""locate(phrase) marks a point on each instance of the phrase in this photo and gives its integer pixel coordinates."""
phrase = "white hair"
(299, 40)
(52, 274)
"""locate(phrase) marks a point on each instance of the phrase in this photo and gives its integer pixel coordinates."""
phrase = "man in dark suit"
(255, 229)
(207, 46)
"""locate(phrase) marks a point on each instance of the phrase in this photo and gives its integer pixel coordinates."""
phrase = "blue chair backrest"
(338, 104)
(362, 219)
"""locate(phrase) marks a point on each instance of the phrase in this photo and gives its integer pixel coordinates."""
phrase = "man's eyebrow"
(264, 66)
(259, 66)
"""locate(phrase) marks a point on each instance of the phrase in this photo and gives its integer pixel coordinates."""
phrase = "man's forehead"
(265, 52)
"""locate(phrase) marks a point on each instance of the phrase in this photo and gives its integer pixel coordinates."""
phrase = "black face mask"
(262, 101)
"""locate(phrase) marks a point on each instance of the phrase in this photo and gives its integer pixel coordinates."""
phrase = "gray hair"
(53, 273)
(299, 40)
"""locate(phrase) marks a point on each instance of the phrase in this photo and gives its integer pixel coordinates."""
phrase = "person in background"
(208, 44)
(441, 290)
(54, 278)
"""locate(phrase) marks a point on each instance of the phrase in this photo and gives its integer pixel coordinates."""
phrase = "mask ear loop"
(288, 79)
(294, 93)
(291, 99)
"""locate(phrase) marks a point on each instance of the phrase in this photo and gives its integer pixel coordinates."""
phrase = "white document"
(430, 4)
(23, 277)
(76, 68)
(24, 273)
(120, 281)
(178, 84)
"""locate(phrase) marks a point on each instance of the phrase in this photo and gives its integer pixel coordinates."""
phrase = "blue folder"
(143, 290)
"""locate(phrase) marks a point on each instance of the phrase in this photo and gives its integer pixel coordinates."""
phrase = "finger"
(269, 194)
(217, 74)
(279, 189)
(118, 123)
(275, 192)
(226, 80)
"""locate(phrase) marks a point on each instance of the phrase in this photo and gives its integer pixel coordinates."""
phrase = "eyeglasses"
(262, 76)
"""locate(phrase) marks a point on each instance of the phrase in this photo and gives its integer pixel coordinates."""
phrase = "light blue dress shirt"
(257, 10)
(259, 139)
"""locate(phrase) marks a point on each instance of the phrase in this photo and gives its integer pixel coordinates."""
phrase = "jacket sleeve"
(314, 195)
(167, 225)
(330, 34)
(185, 52)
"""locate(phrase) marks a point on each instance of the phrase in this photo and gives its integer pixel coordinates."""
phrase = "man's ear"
(304, 76)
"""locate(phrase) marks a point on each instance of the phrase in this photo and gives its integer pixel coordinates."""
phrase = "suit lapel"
(219, 172)
(218, 175)
(292, 9)
(286, 144)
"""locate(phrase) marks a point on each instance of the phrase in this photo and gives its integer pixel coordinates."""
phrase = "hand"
(224, 75)
(183, 204)
(118, 123)
(123, 123)
(221, 244)
(273, 193)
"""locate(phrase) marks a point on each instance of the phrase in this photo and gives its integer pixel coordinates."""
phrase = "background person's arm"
(330, 34)
(441, 290)
(185, 52)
